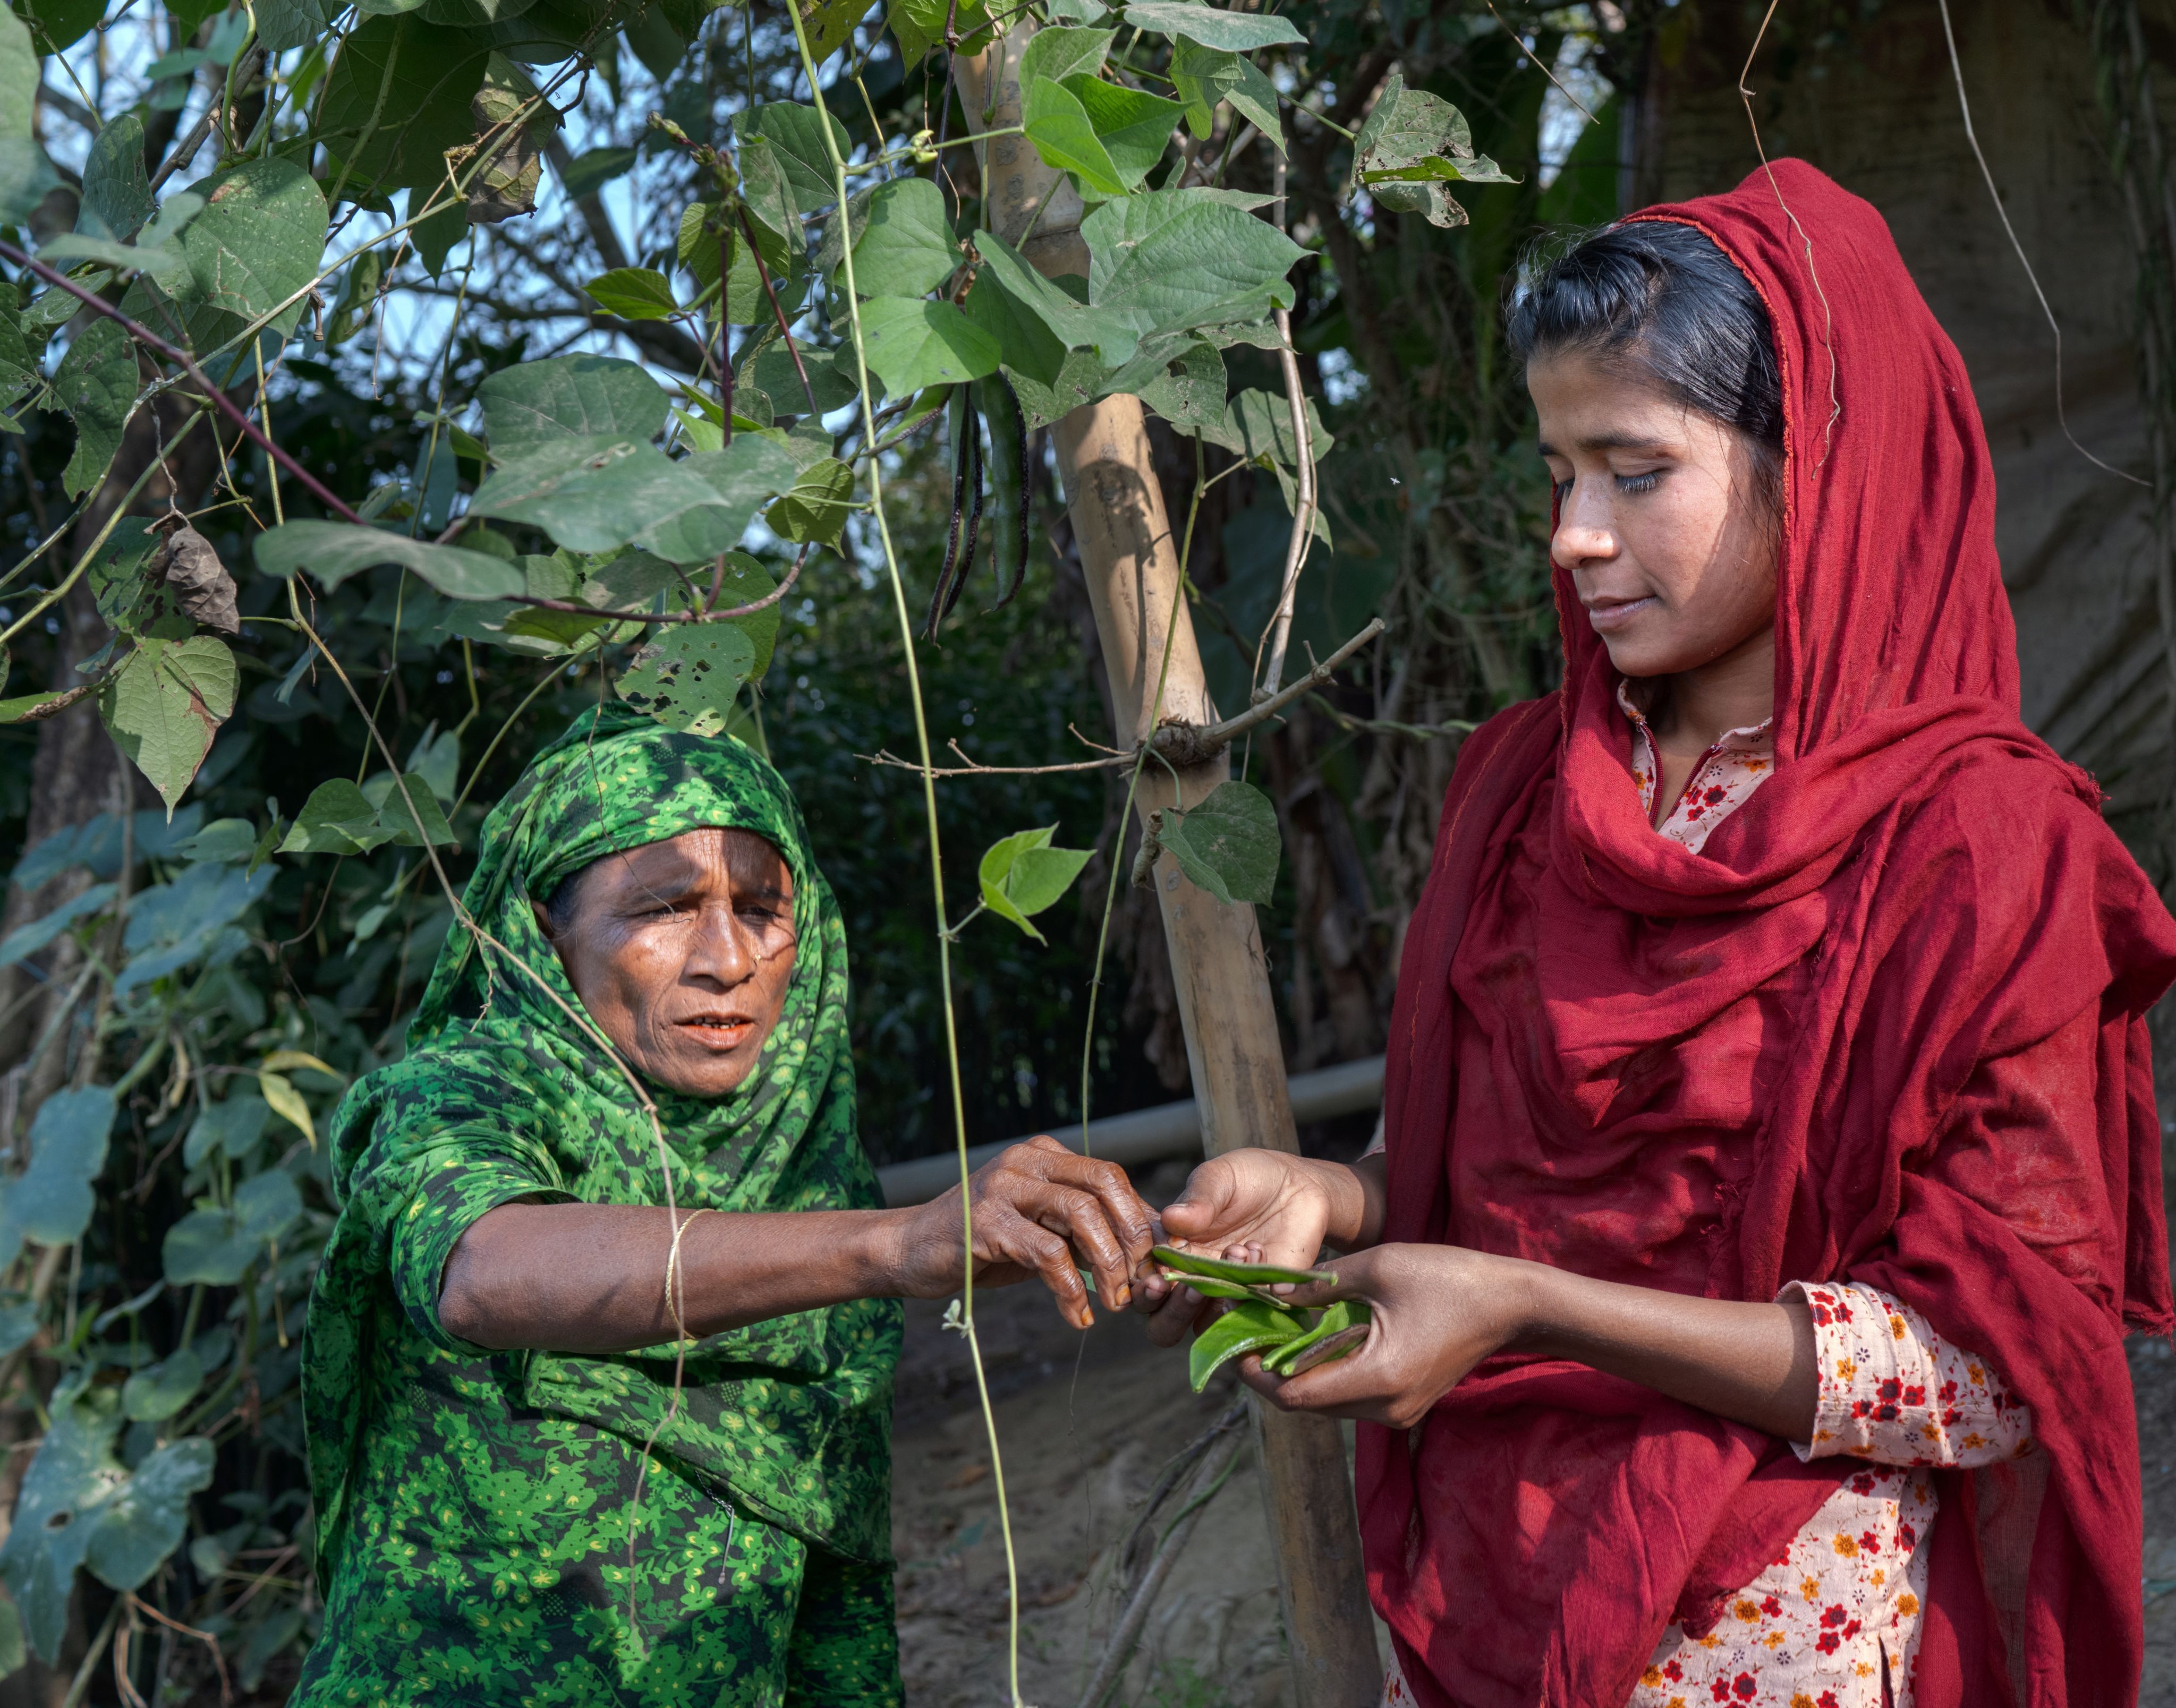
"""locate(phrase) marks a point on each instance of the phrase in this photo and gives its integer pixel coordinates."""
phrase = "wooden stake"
(1130, 558)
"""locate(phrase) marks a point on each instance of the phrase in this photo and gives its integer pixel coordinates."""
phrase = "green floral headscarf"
(502, 1093)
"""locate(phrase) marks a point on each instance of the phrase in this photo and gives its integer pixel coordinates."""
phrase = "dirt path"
(1087, 1421)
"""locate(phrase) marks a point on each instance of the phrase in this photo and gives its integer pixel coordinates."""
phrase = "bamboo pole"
(1129, 556)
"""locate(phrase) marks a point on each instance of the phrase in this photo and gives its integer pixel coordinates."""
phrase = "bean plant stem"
(936, 847)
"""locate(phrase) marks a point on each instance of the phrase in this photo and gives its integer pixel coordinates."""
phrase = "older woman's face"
(1669, 547)
(681, 950)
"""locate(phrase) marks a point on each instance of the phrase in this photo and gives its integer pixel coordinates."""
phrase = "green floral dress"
(537, 1529)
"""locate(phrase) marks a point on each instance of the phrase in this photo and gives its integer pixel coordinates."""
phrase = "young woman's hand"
(1256, 1206)
(1438, 1311)
(1038, 1209)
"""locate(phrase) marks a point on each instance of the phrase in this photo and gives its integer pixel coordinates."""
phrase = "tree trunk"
(1129, 558)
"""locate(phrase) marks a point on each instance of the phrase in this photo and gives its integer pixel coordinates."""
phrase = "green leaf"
(216, 1247)
(282, 25)
(830, 25)
(427, 823)
(162, 260)
(25, 940)
(1058, 125)
(233, 1128)
(157, 1391)
(165, 703)
(397, 98)
(768, 194)
(27, 176)
(19, 74)
(796, 141)
(737, 479)
(595, 495)
(266, 1205)
(1412, 145)
(906, 247)
(911, 343)
(1185, 259)
(588, 173)
(337, 819)
(1228, 845)
(1191, 394)
(1057, 53)
(1248, 1326)
(745, 581)
(229, 839)
(571, 397)
(11, 1651)
(1191, 1264)
(1022, 875)
(919, 24)
(689, 677)
(117, 190)
(71, 1480)
(773, 373)
(633, 292)
(1025, 344)
(52, 1200)
(18, 1327)
(58, 24)
(96, 383)
(1133, 127)
(1204, 76)
(815, 507)
(1236, 32)
(259, 240)
(332, 551)
(145, 1521)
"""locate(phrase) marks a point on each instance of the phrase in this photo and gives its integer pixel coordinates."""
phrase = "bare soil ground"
(1086, 1422)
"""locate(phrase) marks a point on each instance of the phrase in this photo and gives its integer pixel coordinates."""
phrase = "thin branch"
(785, 332)
(1520, 41)
(768, 600)
(181, 358)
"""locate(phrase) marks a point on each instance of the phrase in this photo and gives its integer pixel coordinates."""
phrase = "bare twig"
(181, 358)
(690, 615)
(1521, 42)
(218, 1659)
(785, 332)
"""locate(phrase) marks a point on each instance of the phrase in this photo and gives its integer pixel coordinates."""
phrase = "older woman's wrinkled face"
(1659, 518)
(682, 951)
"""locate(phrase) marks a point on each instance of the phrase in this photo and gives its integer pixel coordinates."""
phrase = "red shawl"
(1885, 1027)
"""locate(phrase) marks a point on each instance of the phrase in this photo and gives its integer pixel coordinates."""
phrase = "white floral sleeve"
(1894, 1391)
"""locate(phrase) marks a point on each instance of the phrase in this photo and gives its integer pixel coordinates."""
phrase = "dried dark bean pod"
(956, 415)
(974, 514)
(1009, 541)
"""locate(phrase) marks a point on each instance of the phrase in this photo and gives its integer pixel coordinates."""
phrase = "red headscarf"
(1885, 1027)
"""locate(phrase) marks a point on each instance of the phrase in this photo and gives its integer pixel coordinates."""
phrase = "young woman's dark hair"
(1658, 300)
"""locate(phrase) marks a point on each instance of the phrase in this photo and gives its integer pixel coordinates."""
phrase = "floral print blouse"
(1836, 1617)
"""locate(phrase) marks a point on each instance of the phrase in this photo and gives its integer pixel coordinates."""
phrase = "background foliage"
(183, 996)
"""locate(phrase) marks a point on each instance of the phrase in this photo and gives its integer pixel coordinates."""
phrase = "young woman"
(524, 1495)
(1772, 1167)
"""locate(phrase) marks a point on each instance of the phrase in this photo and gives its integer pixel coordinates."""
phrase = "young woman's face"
(1658, 519)
(681, 952)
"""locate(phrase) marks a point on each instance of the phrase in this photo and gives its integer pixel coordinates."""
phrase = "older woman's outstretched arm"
(591, 1278)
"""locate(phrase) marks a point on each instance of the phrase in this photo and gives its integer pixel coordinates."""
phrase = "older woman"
(1773, 1170)
(539, 1477)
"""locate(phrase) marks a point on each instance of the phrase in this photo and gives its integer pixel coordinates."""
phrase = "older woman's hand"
(1037, 1209)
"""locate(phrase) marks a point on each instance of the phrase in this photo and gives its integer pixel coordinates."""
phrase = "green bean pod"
(1188, 1264)
(1347, 1317)
(1246, 1327)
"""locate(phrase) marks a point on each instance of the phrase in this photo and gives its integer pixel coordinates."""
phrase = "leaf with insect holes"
(332, 551)
(1228, 844)
(689, 677)
(1412, 144)
(202, 587)
(634, 293)
(815, 507)
(1022, 874)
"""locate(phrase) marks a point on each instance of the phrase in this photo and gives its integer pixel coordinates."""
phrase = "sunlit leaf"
(689, 676)
(906, 247)
(913, 343)
(1022, 875)
(633, 292)
(1057, 53)
(797, 140)
(919, 24)
(1236, 32)
(165, 703)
